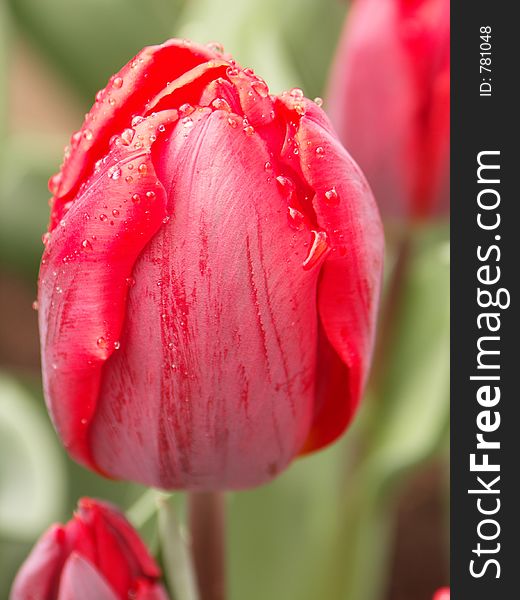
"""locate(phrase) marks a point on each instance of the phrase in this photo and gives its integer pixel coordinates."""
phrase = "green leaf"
(32, 471)
(410, 413)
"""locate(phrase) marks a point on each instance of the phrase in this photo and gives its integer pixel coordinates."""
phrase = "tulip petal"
(80, 580)
(214, 383)
(84, 279)
(150, 591)
(349, 285)
(38, 577)
(126, 95)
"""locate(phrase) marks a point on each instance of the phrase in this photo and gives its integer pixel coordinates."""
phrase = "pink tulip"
(96, 555)
(389, 99)
(210, 281)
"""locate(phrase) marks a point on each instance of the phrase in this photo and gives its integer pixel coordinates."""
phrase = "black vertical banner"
(485, 349)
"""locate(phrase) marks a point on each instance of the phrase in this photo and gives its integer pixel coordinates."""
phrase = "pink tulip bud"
(97, 554)
(210, 280)
(389, 99)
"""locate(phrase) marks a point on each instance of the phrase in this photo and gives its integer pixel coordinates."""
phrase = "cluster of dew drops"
(319, 243)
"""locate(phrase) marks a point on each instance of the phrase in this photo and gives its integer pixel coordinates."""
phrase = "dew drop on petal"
(114, 172)
(318, 101)
(221, 104)
(143, 169)
(296, 93)
(101, 343)
(118, 82)
(117, 345)
(332, 197)
(150, 195)
(115, 212)
(35, 305)
(86, 245)
(296, 218)
(186, 109)
(87, 134)
(127, 136)
(54, 183)
(136, 120)
(103, 217)
(136, 198)
(318, 248)
(320, 151)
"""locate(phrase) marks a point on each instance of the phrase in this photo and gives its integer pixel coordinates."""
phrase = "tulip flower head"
(97, 554)
(209, 285)
(389, 98)
(442, 594)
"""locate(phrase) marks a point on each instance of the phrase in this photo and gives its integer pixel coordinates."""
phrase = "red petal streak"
(84, 278)
(214, 383)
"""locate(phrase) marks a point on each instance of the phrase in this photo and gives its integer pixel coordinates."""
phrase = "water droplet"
(35, 305)
(75, 138)
(111, 101)
(136, 198)
(118, 82)
(114, 172)
(143, 169)
(63, 223)
(215, 47)
(232, 122)
(136, 120)
(130, 281)
(127, 136)
(86, 245)
(231, 71)
(187, 122)
(296, 93)
(260, 87)
(87, 134)
(103, 217)
(46, 238)
(101, 343)
(99, 96)
(117, 345)
(332, 197)
(166, 219)
(318, 248)
(129, 179)
(221, 104)
(318, 101)
(186, 109)
(320, 151)
(115, 212)
(54, 183)
(296, 218)
(161, 128)
(58, 289)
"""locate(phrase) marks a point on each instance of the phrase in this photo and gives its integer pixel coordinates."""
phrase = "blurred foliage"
(88, 40)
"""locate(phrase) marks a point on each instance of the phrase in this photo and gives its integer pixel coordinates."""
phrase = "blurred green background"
(364, 520)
